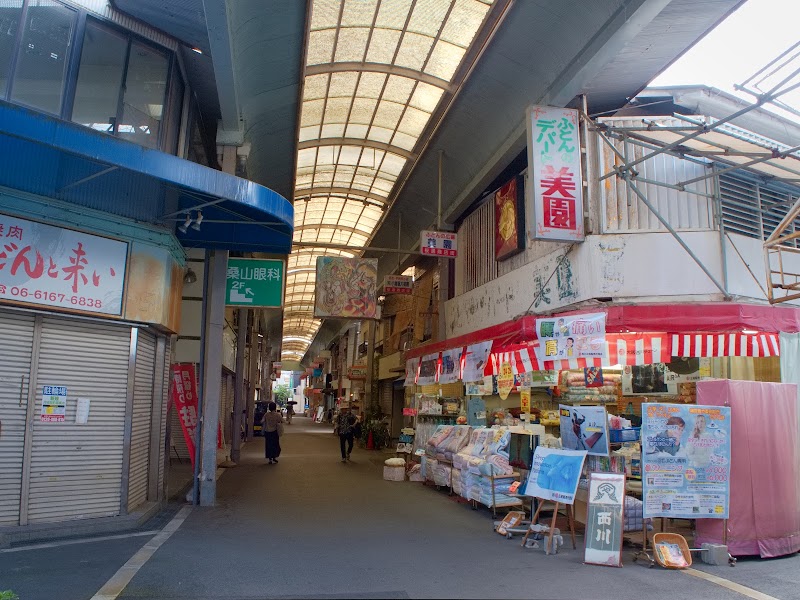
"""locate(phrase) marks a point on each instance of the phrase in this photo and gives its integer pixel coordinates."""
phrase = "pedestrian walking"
(273, 429)
(344, 425)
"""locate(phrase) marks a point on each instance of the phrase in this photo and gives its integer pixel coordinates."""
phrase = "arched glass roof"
(376, 72)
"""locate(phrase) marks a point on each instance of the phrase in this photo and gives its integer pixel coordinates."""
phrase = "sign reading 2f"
(255, 282)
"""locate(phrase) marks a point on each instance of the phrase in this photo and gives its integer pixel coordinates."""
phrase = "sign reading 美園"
(398, 284)
(604, 519)
(54, 404)
(254, 282)
(52, 266)
(556, 185)
(438, 243)
(686, 460)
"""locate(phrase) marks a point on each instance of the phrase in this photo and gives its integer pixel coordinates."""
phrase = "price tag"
(512, 489)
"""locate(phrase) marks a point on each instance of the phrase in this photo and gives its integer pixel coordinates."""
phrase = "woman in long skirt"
(273, 423)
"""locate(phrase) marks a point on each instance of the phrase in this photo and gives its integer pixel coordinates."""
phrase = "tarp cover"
(765, 471)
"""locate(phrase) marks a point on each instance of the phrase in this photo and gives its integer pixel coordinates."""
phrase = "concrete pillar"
(370, 397)
(253, 374)
(238, 390)
(212, 376)
(445, 264)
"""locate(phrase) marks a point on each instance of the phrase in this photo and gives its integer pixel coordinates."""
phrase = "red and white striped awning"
(726, 344)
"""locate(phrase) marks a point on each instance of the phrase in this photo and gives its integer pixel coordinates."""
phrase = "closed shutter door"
(140, 423)
(76, 470)
(386, 397)
(16, 343)
(178, 442)
(165, 373)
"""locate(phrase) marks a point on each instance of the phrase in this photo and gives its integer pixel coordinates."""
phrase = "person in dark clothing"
(345, 424)
(272, 428)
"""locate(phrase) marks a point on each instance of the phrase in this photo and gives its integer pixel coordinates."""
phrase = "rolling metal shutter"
(165, 400)
(386, 394)
(178, 448)
(140, 423)
(76, 470)
(16, 343)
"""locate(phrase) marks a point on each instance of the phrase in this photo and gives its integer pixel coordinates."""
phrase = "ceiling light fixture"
(197, 221)
(185, 226)
(190, 276)
(196, 49)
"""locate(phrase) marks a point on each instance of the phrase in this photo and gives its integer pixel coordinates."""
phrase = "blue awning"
(53, 158)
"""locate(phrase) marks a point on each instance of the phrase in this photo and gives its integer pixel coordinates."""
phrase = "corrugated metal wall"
(76, 470)
(624, 212)
(476, 264)
(754, 209)
(140, 423)
(16, 342)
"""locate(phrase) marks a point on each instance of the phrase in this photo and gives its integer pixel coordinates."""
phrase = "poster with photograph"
(428, 369)
(450, 371)
(584, 428)
(574, 336)
(475, 360)
(686, 451)
(412, 368)
(604, 519)
(554, 474)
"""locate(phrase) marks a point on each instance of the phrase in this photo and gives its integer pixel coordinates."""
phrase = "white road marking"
(122, 578)
(730, 585)
(81, 541)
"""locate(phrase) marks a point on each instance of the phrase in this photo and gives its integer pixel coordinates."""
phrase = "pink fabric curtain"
(765, 471)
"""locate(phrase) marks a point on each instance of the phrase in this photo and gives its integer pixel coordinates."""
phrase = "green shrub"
(8, 595)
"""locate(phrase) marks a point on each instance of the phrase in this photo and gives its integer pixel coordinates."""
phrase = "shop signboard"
(475, 360)
(556, 184)
(505, 380)
(357, 372)
(604, 519)
(573, 336)
(584, 428)
(554, 474)
(438, 243)
(686, 460)
(398, 284)
(346, 288)
(53, 266)
(184, 397)
(54, 404)
(254, 282)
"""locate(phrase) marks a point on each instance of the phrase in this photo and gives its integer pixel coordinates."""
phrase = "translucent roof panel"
(376, 72)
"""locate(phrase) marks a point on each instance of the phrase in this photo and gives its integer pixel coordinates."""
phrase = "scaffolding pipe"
(743, 166)
(674, 233)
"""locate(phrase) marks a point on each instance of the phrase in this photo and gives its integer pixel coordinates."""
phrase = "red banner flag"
(184, 395)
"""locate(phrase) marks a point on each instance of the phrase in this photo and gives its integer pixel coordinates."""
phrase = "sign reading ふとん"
(554, 157)
(254, 282)
(438, 243)
(52, 266)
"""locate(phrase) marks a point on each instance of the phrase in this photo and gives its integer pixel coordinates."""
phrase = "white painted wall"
(641, 267)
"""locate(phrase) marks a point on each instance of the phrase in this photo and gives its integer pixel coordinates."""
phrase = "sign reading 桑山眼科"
(556, 185)
(52, 266)
(255, 282)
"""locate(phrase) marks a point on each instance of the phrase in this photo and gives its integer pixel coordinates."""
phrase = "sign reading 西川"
(604, 519)
(254, 282)
(556, 185)
(53, 266)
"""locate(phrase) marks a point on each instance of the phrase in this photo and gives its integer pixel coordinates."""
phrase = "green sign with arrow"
(255, 282)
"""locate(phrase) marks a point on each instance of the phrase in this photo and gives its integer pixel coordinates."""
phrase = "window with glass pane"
(46, 40)
(100, 78)
(10, 14)
(143, 102)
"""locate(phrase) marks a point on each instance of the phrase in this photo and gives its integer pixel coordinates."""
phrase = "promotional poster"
(584, 428)
(555, 474)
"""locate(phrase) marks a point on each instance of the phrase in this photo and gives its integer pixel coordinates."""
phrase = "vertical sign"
(254, 282)
(556, 184)
(438, 243)
(505, 380)
(184, 395)
(54, 404)
(509, 224)
(604, 519)
(686, 460)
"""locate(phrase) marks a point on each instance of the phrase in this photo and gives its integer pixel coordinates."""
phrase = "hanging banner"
(398, 284)
(584, 428)
(556, 184)
(54, 404)
(686, 460)
(346, 288)
(438, 243)
(451, 365)
(505, 380)
(574, 336)
(475, 360)
(52, 266)
(525, 400)
(555, 474)
(604, 519)
(509, 228)
(412, 367)
(428, 368)
(184, 397)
